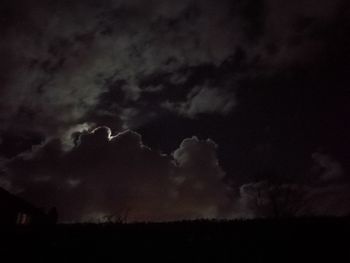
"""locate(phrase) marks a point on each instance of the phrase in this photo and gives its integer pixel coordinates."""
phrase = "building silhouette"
(16, 211)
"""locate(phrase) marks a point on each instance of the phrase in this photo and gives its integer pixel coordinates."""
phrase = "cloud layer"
(104, 174)
(67, 63)
(258, 77)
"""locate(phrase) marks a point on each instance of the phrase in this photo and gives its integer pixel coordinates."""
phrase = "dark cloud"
(203, 100)
(14, 144)
(265, 79)
(328, 168)
(104, 174)
(61, 57)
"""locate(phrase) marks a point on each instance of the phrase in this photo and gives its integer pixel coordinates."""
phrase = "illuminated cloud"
(105, 173)
(204, 100)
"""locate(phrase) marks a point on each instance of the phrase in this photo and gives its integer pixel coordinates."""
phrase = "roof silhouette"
(15, 210)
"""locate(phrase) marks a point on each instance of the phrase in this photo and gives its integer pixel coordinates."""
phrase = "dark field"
(302, 240)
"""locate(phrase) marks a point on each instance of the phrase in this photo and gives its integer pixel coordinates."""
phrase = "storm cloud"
(58, 69)
(104, 174)
(61, 59)
(265, 80)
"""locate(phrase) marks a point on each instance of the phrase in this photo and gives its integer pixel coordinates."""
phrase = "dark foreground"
(303, 240)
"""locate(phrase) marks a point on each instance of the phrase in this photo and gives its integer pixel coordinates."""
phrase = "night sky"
(175, 109)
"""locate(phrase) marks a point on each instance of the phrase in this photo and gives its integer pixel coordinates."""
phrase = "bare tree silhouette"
(274, 197)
